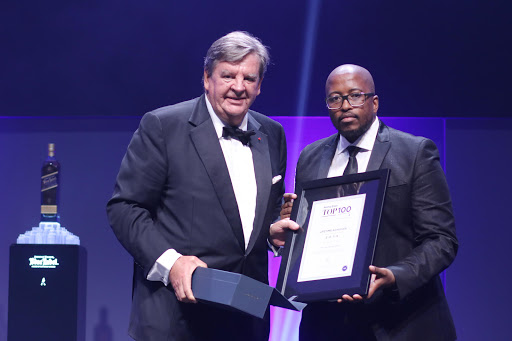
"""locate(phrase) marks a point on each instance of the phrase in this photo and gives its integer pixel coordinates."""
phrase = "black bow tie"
(237, 133)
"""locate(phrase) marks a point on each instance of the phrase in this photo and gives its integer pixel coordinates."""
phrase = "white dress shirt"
(241, 171)
(365, 142)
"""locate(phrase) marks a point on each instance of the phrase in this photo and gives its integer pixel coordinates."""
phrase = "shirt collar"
(365, 141)
(218, 124)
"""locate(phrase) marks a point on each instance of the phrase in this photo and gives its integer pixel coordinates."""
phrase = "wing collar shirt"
(241, 171)
(364, 142)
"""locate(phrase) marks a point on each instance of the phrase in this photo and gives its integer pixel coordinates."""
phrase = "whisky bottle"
(50, 186)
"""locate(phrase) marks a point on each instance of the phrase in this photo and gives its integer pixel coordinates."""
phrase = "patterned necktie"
(352, 161)
(238, 134)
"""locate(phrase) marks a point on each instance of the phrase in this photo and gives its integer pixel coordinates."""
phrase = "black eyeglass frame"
(343, 98)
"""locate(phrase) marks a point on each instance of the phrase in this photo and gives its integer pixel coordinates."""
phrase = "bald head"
(364, 75)
(351, 91)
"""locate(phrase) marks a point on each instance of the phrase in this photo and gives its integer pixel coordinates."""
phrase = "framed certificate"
(330, 254)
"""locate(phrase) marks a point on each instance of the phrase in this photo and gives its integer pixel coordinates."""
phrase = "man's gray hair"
(232, 48)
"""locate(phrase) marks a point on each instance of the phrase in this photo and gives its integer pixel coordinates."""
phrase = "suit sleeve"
(137, 193)
(300, 169)
(435, 241)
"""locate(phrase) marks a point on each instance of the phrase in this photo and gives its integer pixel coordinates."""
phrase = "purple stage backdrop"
(90, 151)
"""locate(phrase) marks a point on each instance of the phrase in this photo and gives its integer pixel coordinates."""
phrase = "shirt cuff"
(275, 249)
(160, 270)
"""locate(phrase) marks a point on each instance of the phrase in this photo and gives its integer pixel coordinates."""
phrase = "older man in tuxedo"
(416, 239)
(200, 185)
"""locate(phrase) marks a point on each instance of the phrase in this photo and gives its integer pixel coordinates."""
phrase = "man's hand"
(381, 278)
(286, 208)
(279, 229)
(180, 277)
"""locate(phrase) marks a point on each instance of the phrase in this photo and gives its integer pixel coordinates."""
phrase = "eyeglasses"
(355, 99)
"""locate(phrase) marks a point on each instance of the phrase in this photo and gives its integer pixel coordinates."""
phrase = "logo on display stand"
(43, 282)
(44, 262)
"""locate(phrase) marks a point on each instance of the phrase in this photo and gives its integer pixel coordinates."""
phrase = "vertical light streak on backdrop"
(284, 323)
(310, 34)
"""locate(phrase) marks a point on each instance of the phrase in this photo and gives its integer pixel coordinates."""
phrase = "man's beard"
(353, 135)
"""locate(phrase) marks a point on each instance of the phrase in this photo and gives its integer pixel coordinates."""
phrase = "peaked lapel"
(263, 175)
(380, 148)
(327, 156)
(207, 144)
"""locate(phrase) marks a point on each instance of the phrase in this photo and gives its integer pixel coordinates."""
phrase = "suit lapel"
(263, 175)
(207, 144)
(380, 148)
(327, 156)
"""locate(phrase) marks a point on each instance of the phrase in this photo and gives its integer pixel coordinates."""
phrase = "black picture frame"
(374, 185)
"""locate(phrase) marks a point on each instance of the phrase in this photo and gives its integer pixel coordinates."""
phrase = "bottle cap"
(51, 149)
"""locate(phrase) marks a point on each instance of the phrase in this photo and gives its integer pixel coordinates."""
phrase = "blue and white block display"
(48, 233)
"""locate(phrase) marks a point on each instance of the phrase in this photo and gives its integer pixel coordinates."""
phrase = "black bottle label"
(49, 181)
(49, 200)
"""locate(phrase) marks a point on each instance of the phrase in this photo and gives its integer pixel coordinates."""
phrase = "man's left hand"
(279, 229)
(381, 278)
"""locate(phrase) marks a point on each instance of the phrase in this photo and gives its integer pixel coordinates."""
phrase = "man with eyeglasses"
(416, 239)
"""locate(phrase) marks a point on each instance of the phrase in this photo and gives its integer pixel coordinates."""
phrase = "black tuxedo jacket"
(416, 242)
(173, 190)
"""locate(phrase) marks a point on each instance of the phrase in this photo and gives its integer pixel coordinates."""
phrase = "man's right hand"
(286, 208)
(180, 277)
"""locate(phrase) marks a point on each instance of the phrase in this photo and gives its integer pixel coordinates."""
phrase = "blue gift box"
(239, 292)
